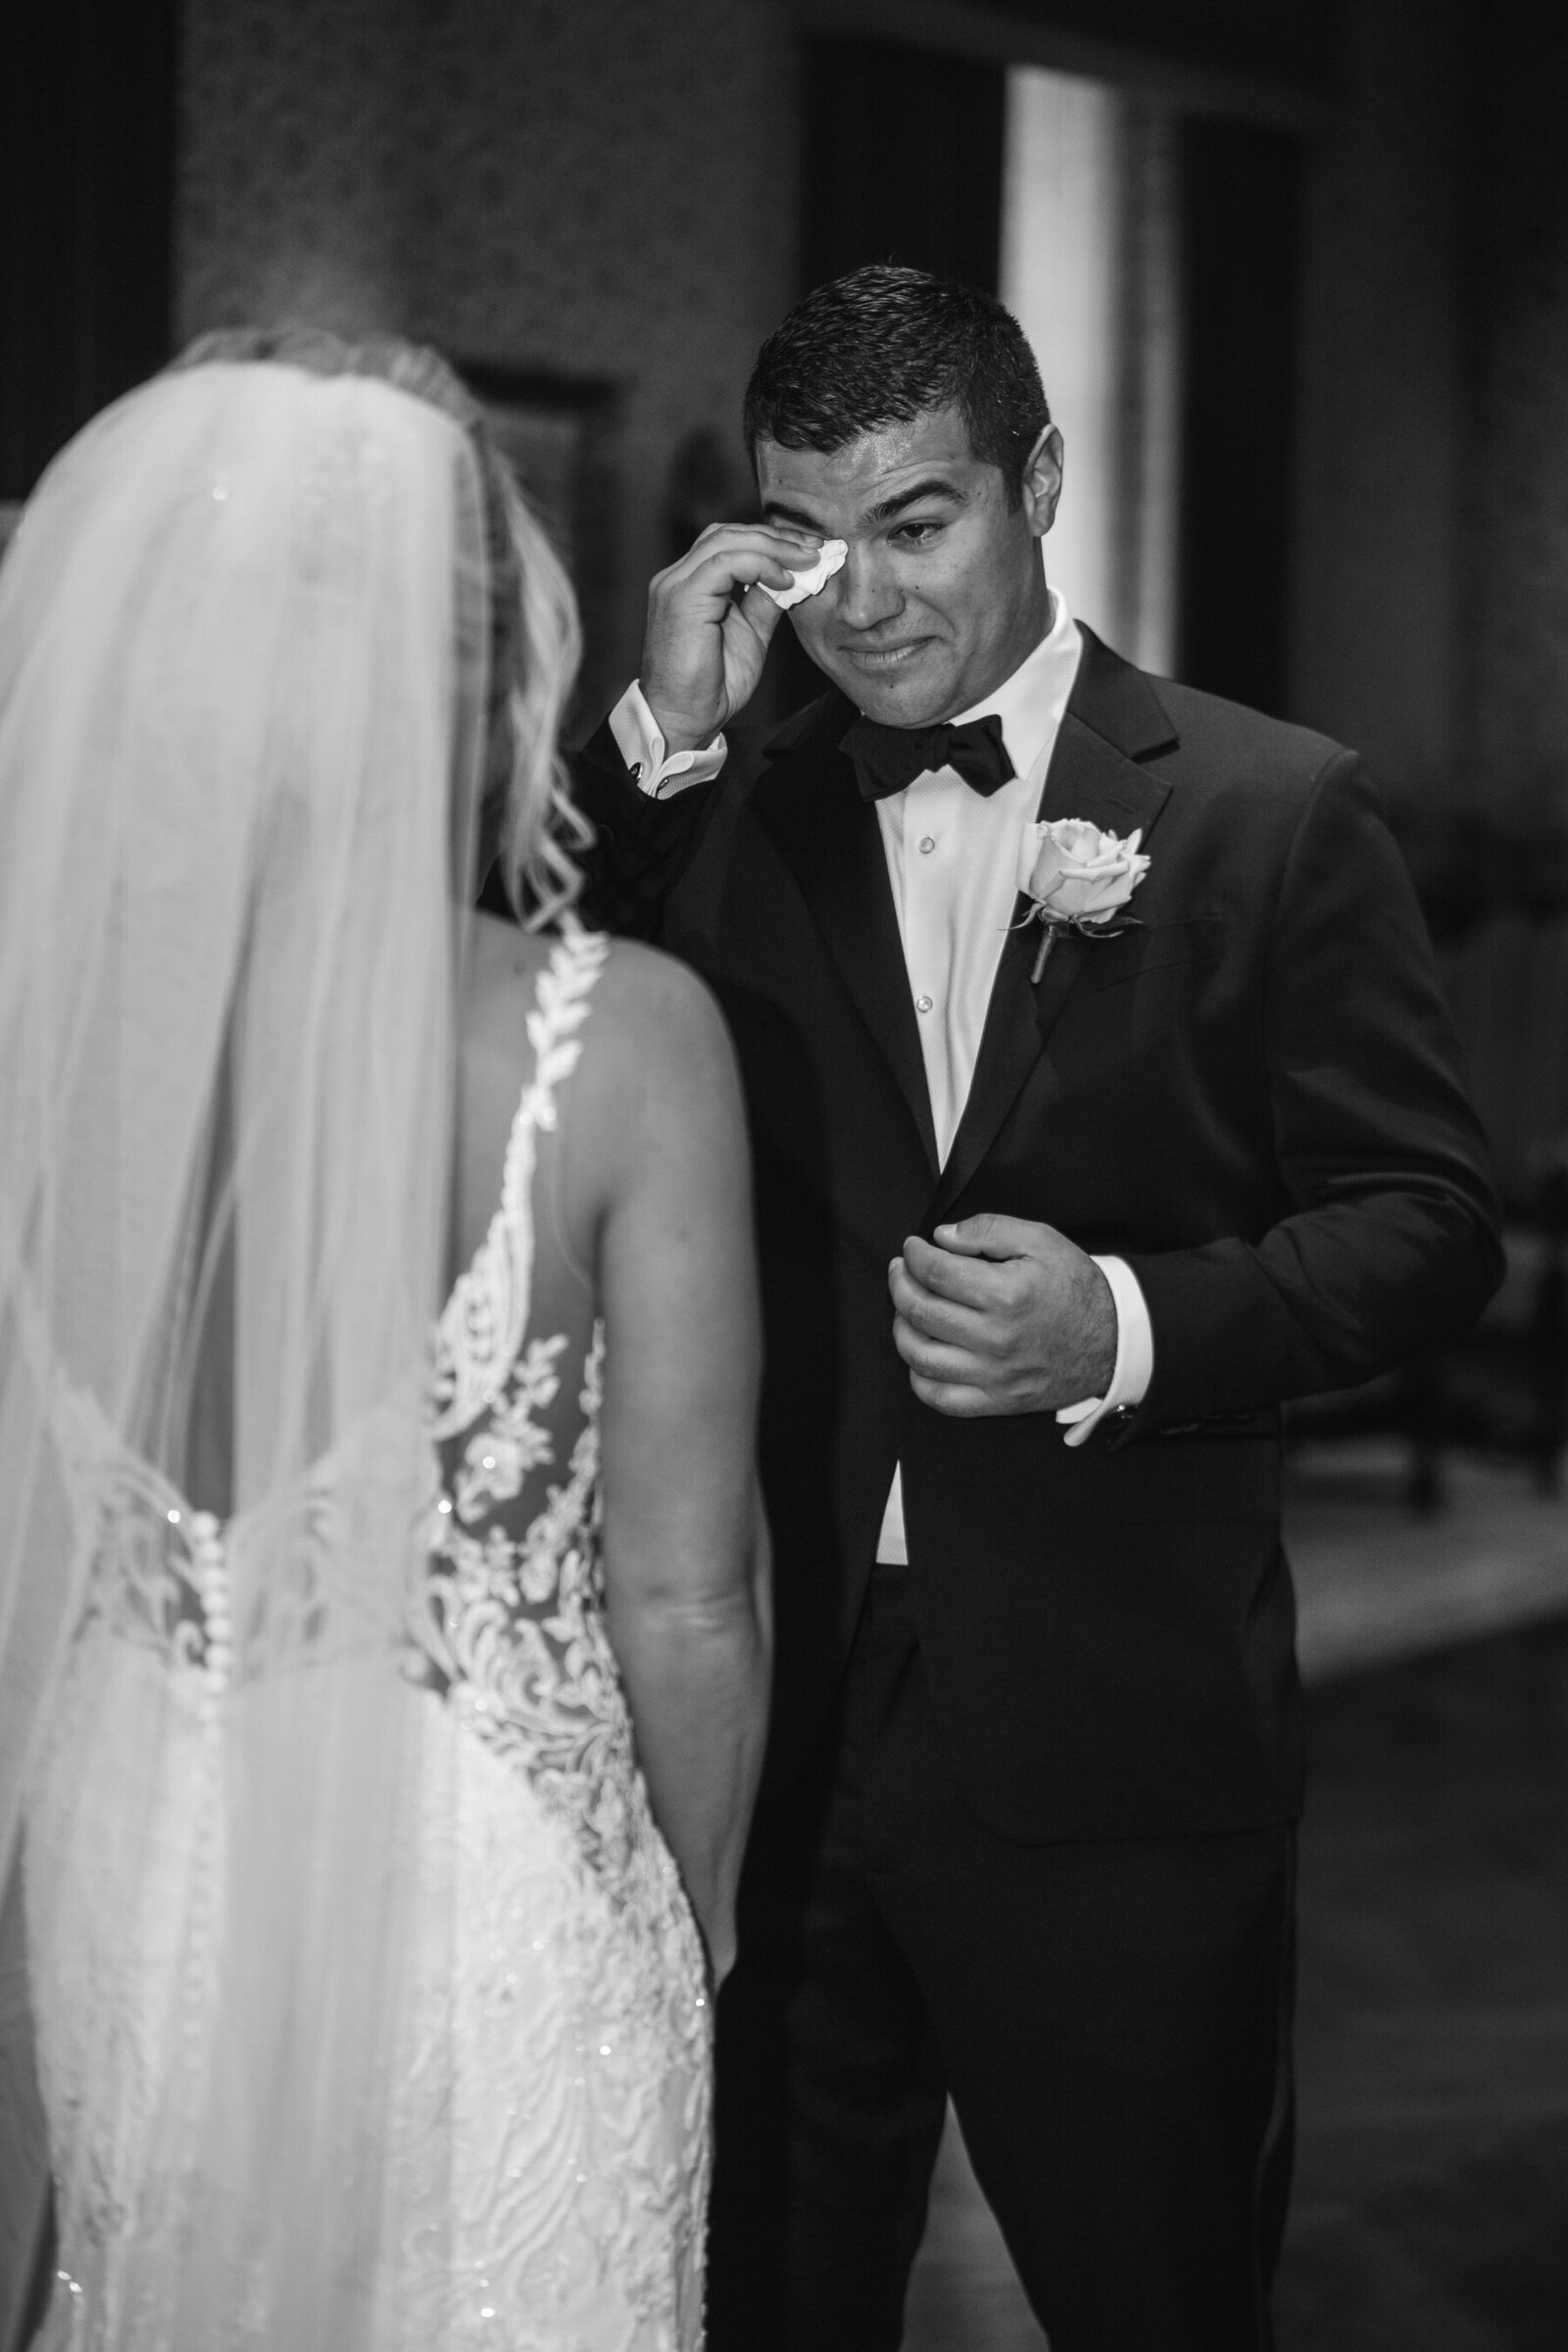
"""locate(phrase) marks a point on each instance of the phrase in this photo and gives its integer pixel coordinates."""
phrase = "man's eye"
(915, 534)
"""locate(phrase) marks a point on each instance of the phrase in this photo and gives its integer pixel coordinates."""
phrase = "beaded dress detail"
(551, 2121)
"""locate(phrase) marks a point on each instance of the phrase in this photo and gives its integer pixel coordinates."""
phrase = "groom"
(1045, 1245)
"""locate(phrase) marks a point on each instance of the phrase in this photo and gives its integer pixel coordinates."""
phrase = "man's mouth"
(883, 657)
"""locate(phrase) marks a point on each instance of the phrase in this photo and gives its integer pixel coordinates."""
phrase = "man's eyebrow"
(777, 511)
(936, 487)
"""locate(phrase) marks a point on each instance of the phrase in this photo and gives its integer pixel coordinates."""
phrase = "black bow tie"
(887, 759)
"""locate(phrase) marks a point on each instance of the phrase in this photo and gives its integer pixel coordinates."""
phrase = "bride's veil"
(243, 647)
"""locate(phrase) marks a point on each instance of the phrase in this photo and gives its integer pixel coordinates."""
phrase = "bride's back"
(635, 1170)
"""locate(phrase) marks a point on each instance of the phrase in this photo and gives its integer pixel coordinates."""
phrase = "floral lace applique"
(509, 1442)
(482, 1327)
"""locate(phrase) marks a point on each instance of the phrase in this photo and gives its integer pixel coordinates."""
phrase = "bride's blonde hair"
(529, 824)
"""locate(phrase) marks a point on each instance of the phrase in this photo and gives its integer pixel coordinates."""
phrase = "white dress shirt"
(952, 862)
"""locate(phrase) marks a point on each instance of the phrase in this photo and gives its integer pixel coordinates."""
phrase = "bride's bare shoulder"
(653, 1003)
(659, 1127)
(650, 1017)
(650, 1119)
(657, 1055)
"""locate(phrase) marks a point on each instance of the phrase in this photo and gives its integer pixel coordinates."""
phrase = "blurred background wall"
(599, 190)
(1345, 492)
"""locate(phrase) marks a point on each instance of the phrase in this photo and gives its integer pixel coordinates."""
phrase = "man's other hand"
(709, 626)
(1002, 1316)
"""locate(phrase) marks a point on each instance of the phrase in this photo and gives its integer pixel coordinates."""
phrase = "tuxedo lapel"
(829, 838)
(1112, 718)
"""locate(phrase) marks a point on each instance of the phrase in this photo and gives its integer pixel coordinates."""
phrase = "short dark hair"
(886, 344)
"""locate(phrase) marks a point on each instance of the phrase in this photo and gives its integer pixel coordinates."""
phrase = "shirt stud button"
(922, 1003)
(928, 845)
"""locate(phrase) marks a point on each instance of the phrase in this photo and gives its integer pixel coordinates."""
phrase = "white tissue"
(806, 583)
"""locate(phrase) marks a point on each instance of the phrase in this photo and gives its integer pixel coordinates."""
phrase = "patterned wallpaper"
(597, 188)
(290, 200)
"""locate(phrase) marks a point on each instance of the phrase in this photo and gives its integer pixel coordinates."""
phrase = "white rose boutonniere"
(1078, 879)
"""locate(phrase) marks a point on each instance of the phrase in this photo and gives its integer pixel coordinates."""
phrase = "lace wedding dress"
(550, 2119)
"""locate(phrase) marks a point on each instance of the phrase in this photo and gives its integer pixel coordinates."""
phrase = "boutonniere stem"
(1055, 927)
(1050, 933)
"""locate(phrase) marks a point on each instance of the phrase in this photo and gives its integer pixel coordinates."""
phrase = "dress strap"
(482, 1325)
(560, 1008)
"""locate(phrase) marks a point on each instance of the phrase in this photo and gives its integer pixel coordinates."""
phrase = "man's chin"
(907, 698)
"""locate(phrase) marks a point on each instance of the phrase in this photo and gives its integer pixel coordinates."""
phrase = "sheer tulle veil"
(244, 644)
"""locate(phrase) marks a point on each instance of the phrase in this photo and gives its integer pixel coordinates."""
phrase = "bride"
(381, 1680)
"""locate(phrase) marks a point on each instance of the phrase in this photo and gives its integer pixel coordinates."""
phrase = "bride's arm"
(686, 1562)
(24, 2132)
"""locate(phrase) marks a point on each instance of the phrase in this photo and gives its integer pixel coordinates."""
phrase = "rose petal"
(1042, 868)
(1077, 837)
(1078, 871)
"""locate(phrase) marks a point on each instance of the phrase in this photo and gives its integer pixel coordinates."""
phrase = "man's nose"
(868, 593)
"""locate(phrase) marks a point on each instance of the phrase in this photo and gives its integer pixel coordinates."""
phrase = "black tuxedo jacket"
(1253, 1096)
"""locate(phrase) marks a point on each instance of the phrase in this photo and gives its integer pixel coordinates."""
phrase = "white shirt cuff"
(641, 743)
(1135, 1354)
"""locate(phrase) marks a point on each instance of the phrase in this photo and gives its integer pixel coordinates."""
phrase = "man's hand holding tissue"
(710, 618)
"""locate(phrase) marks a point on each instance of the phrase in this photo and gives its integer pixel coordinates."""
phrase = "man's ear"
(1042, 481)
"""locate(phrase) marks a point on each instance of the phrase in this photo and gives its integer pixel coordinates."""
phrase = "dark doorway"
(1240, 201)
